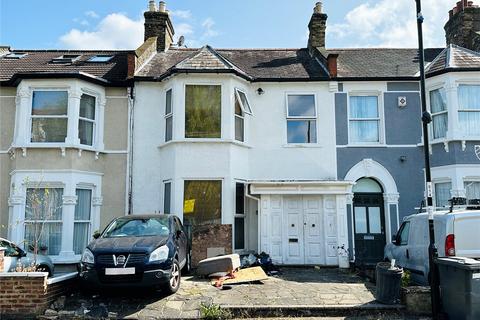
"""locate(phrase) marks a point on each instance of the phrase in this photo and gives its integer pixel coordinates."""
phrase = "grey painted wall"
(403, 86)
(402, 125)
(455, 154)
(408, 175)
(341, 118)
(350, 228)
(393, 220)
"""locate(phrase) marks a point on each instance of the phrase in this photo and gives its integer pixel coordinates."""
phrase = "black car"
(139, 251)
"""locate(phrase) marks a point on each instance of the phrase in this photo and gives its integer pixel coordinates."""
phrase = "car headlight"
(159, 254)
(87, 257)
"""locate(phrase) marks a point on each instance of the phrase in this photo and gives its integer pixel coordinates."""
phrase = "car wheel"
(175, 276)
(188, 264)
(43, 268)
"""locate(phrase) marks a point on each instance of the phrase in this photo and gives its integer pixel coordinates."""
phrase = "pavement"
(293, 292)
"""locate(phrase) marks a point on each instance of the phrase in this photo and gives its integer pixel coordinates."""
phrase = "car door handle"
(407, 254)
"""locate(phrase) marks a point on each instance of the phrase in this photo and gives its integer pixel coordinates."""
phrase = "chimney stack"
(158, 24)
(463, 25)
(317, 27)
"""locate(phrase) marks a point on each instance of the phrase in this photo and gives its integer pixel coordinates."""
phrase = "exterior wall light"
(260, 91)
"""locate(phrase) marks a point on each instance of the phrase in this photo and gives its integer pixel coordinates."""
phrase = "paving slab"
(293, 292)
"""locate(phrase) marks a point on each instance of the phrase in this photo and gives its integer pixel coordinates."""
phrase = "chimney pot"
(470, 4)
(162, 7)
(318, 7)
(151, 6)
(450, 14)
(459, 6)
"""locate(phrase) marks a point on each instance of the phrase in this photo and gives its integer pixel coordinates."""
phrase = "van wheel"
(175, 277)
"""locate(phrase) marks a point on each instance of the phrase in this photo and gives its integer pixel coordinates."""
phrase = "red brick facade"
(29, 294)
(212, 236)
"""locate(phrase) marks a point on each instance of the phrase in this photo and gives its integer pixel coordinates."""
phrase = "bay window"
(49, 116)
(86, 124)
(82, 222)
(364, 119)
(202, 202)
(239, 121)
(167, 197)
(43, 220)
(438, 108)
(301, 118)
(168, 116)
(442, 194)
(203, 111)
(469, 109)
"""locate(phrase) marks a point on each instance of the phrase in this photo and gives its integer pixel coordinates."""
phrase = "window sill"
(205, 141)
(454, 139)
(302, 145)
(377, 145)
(57, 146)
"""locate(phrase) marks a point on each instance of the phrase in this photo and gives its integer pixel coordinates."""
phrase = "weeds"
(213, 312)
(406, 278)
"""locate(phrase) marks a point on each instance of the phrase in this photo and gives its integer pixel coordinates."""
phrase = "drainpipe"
(131, 105)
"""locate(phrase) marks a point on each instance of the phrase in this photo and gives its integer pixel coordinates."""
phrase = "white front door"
(303, 242)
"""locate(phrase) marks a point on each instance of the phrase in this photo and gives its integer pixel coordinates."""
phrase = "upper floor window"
(203, 111)
(472, 189)
(469, 109)
(239, 121)
(86, 124)
(364, 119)
(301, 118)
(49, 116)
(168, 116)
(438, 107)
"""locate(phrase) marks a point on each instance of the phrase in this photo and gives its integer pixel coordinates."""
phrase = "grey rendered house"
(64, 122)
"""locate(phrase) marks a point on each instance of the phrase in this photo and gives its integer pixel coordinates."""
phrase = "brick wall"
(213, 236)
(28, 294)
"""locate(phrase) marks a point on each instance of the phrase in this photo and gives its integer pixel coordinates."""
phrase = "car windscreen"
(145, 227)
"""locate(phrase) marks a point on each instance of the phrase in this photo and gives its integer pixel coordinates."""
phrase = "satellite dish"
(181, 41)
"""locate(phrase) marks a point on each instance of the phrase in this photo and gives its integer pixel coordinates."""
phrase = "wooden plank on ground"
(247, 275)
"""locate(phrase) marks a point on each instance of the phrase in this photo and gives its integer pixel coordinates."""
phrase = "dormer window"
(15, 55)
(66, 58)
(101, 58)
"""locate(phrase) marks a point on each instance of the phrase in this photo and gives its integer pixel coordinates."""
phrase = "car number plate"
(119, 271)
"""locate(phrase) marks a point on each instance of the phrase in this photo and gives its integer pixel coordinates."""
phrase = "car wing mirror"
(96, 234)
(394, 239)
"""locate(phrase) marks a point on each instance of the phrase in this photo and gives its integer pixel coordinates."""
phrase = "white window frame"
(467, 180)
(165, 182)
(168, 115)
(302, 118)
(32, 117)
(89, 188)
(380, 119)
(240, 215)
(94, 133)
(244, 108)
(203, 83)
(238, 116)
(440, 181)
(465, 83)
(75, 88)
(69, 181)
(434, 88)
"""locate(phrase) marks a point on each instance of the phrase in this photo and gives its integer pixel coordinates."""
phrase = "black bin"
(389, 280)
(460, 287)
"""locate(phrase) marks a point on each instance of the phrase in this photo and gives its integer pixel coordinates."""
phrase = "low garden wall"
(28, 294)
(210, 241)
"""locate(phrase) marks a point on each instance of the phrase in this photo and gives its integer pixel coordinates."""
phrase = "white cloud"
(115, 31)
(182, 14)
(388, 23)
(92, 14)
(209, 31)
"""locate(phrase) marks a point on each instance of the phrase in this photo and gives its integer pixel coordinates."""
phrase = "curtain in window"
(472, 190)
(438, 107)
(364, 119)
(469, 109)
(81, 228)
(87, 119)
(442, 194)
(43, 216)
(49, 116)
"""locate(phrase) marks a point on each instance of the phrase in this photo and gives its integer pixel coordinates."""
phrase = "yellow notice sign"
(189, 206)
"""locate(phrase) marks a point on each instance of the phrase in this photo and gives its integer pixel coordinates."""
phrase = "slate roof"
(252, 64)
(454, 58)
(38, 63)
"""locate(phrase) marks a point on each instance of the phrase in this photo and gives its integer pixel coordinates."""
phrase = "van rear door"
(466, 228)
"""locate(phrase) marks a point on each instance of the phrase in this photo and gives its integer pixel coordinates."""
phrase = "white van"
(457, 233)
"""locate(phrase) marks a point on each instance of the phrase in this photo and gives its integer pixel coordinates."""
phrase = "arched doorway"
(368, 221)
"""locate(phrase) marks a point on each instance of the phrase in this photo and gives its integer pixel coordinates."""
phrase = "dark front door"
(369, 227)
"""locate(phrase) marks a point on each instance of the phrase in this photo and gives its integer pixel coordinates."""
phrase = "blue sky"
(118, 24)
